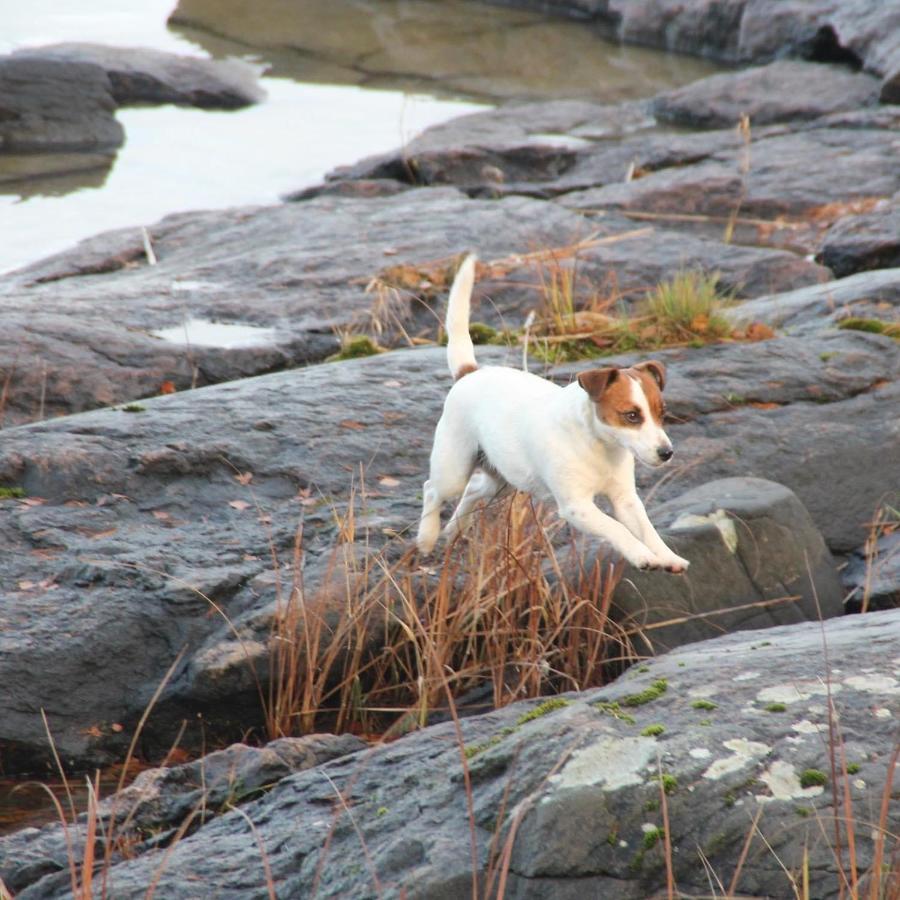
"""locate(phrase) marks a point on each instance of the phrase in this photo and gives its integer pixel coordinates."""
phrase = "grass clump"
(652, 730)
(813, 778)
(669, 783)
(11, 492)
(776, 708)
(652, 837)
(688, 307)
(704, 704)
(542, 709)
(613, 709)
(872, 326)
(355, 346)
(134, 408)
(654, 692)
(852, 768)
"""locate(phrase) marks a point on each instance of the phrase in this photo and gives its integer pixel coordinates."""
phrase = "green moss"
(735, 399)
(382, 811)
(826, 356)
(648, 695)
(613, 709)
(729, 799)
(706, 722)
(651, 805)
(812, 778)
(11, 492)
(872, 326)
(643, 668)
(355, 347)
(548, 706)
(652, 838)
(481, 333)
(852, 768)
(472, 750)
(803, 811)
(134, 408)
(776, 707)
(681, 665)
(704, 704)
(669, 783)
(652, 730)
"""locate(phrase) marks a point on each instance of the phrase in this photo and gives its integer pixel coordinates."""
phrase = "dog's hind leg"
(481, 486)
(452, 464)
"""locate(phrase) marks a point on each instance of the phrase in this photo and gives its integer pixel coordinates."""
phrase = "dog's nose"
(665, 453)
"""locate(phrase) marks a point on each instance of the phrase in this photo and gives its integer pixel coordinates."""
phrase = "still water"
(344, 79)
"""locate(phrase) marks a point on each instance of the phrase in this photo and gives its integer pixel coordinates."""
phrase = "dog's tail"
(460, 352)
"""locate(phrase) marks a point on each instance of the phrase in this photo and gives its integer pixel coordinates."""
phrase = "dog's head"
(628, 406)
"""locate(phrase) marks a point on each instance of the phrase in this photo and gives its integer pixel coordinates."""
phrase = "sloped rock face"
(133, 518)
(857, 243)
(566, 798)
(142, 75)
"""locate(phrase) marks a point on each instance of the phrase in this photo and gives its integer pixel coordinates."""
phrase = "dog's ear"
(596, 381)
(656, 369)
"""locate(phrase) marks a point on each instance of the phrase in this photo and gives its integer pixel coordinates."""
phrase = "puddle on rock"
(226, 336)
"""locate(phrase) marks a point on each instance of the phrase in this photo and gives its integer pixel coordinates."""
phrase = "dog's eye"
(633, 416)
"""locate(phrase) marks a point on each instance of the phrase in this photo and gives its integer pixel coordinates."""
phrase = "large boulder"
(143, 527)
(858, 243)
(743, 749)
(51, 106)
(782, 91)
(143, 75)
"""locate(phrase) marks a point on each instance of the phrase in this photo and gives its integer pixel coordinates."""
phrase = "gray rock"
(148, 812)
(50, 106)
(750, 542)
(133, 519)
(782, 91)
(872, 574)
(570, 794)
(142, 75)
(858, 243)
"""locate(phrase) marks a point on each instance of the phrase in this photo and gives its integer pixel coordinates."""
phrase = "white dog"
(568, 443)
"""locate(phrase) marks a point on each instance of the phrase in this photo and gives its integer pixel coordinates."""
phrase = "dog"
(504, 428)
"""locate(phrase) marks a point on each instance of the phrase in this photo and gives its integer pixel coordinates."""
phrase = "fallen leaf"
(117, 727)
(93, 731)
(239, 504)
(32, 501)
(759, 331)
(392, 383)
(244, 478)
(167, 387)
(26, 585)
(387, 481)
(159, 514)
(351, 424)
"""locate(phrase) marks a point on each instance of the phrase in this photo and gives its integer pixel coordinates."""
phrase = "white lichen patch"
(882, 712)
(703, 691)
(795, 691)
(747, 676)
(784, 784)
(804, 726)
(647, 827)
(719, 519)
(874, 683)
(610, 762)
(699, 753)
(859, 784)
(743, 753)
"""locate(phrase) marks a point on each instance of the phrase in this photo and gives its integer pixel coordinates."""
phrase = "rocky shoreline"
(149, 473)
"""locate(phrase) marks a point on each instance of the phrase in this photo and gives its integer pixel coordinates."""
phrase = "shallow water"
(204, 333)
(344, 80)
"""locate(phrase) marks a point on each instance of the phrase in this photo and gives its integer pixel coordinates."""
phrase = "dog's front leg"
(631, 513)
(584, 515)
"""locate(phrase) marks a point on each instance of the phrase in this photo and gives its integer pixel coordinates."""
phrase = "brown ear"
(656, 369)
(596, 381)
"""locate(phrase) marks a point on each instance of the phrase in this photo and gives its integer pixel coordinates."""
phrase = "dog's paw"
(677, 565)
(645, 560)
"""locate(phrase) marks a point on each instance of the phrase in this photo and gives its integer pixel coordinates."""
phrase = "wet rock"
(782, 91)
(857, 243)
(142, 75)
(872, 574)
(737, 726)
(136, 519)
(148, 813)
(50, 106)
(751, 545)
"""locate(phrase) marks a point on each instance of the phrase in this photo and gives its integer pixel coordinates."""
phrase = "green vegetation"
(654, 692)
(813, 778)
(472, 750)
(548, 706)
(613, 709)
(872, 326)
(134, 408)
(652, 730)
(776, 708)
(652, 838)
(355, 346)
(11, 492)
(803, 811)
(669, 783)
(852, 768)
(481, 333)
(704, 704)
(381, 811)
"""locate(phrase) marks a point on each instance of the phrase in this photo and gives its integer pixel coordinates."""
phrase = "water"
(344, 80)
(203, 333)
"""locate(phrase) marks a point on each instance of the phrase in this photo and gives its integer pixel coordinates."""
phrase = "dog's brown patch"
(464, 369)
(610, 389)
(652, 393)
(617, 407)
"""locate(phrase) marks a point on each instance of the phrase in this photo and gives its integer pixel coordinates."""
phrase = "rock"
(142, 75)
(136, 518)
(857, 243)
(868, 295)
(566, 797)
(159, 800)
(782, 91)
(872, 574)
(50, 106)
(750, 542)
(294, 276)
